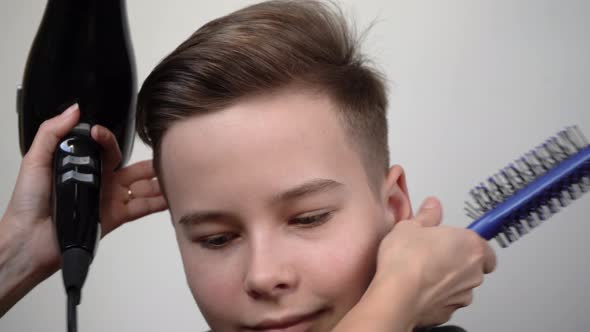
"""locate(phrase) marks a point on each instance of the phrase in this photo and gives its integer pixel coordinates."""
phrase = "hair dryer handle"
(76, 190)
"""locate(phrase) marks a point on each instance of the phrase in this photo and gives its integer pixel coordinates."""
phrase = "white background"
(474, 84)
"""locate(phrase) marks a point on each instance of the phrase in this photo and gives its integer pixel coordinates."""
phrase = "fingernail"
(70, 110)
(430, 203)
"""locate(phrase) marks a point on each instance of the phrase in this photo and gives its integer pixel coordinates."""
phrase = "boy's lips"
(286, 322)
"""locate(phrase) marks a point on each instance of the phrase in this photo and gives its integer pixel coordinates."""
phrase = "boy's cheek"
(213, 287)
(347, 263)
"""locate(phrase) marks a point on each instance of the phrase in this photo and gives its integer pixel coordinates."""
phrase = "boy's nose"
(269, 275)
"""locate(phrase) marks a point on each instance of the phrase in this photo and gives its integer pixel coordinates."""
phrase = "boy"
(270, 146)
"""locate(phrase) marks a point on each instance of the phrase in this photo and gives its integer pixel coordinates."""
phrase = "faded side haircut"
(262, 48)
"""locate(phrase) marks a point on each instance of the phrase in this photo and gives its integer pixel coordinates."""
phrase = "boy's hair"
(258, 50)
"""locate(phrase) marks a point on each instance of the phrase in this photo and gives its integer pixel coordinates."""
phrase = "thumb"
(107, 140)
(430, 213)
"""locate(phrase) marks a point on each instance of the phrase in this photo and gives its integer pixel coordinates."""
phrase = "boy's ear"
(395, 195)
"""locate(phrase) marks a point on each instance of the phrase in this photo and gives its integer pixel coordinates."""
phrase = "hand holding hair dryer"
(81, 53)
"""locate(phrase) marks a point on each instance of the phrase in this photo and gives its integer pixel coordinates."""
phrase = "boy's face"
(280, 224)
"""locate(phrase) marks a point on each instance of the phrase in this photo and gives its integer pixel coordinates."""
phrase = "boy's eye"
(312, 220)
(217, 241)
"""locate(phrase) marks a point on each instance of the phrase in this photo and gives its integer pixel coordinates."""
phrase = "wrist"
(17, 273)
(401, 294)
(385, 306)
(13, 235)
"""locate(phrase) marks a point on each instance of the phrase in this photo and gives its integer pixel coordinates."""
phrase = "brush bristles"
(523, 171)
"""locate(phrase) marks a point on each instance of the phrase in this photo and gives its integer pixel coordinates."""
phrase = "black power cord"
(72, 321)
(75, 263)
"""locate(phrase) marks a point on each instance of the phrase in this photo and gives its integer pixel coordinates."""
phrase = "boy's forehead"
(276, 140)
(291, 116)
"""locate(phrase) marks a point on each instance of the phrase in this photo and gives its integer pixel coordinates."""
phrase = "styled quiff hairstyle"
(260, 49)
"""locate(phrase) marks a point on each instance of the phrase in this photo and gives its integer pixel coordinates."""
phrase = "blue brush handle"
(534, 194)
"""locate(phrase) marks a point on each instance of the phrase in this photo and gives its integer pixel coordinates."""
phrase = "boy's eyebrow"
(198, 217)
(314, 186)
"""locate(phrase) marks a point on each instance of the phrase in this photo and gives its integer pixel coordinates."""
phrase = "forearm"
(18, 274)
(378, 311)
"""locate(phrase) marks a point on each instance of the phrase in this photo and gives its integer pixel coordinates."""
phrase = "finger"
(489, 258)
(438, 317)
(139, 171)
(48, 136)
(461, 300)
(430, 213)
(146, 188)
(140, 207)
(111, 151)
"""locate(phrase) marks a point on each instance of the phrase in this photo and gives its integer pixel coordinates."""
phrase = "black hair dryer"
(81, 53)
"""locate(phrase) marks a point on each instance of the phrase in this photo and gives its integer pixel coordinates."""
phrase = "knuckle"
(110, 136)
(475, 242)
(473, 237)
(104, 131)
(147, 164)
(117, 156)
(30, 161)
(45, 125)
(492, 253)
(444, 317)
(27, 162)
(479, 281)
(155, 186)
(479, 253)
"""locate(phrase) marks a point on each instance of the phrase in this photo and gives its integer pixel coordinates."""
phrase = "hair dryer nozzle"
(81, 53)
